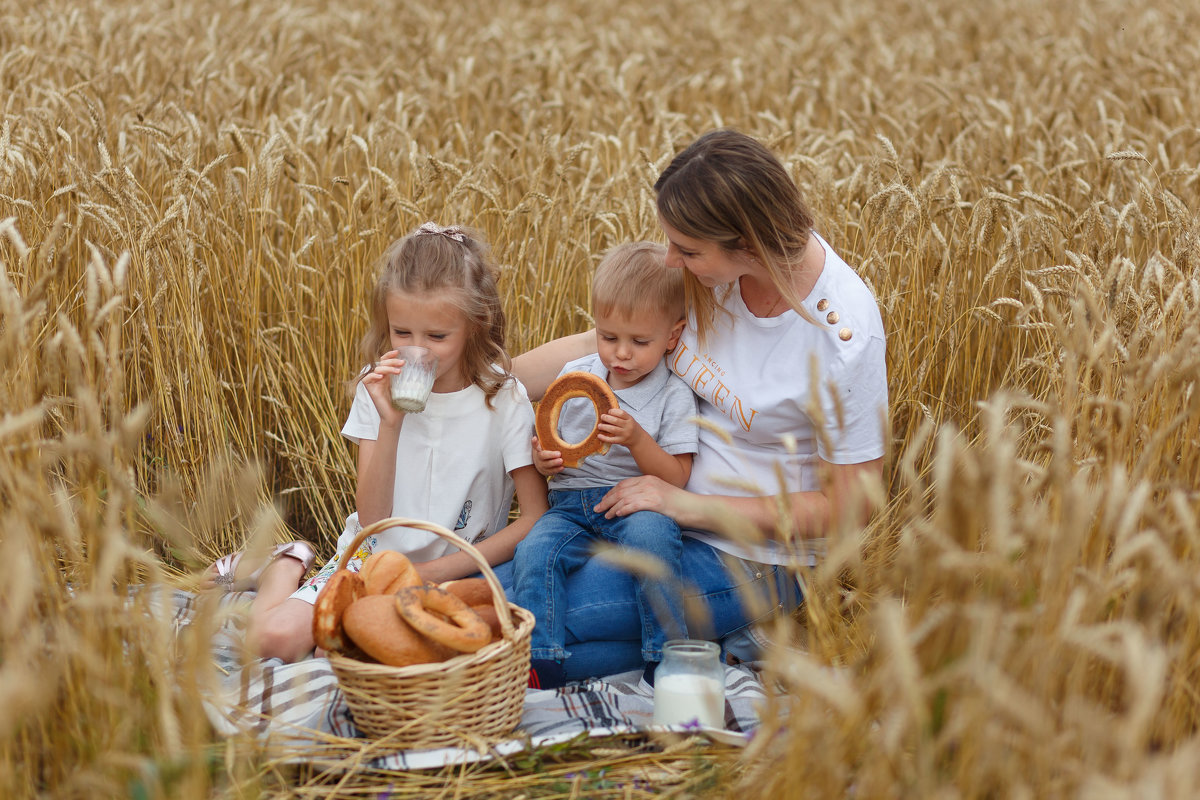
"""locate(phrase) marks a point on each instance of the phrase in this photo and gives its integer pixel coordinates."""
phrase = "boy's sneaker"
(545, 673)
(648, 672)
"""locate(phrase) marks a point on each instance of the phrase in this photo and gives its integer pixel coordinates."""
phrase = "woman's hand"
(378, 383)
(644, 493)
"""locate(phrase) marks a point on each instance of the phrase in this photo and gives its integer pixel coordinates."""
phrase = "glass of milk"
(689, 685)
(411, 388)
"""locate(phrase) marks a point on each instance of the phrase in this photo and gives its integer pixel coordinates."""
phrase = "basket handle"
(499, 600)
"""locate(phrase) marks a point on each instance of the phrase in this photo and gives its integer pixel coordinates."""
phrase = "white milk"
(411, 396)
(411, 388)
(683, 698)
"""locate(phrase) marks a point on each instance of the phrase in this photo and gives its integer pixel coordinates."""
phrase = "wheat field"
(192, 199)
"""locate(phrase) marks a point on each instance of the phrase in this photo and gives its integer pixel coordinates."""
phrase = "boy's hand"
(547, 462)
(617, 427)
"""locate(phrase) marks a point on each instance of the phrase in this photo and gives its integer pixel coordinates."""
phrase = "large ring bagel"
(341, 590)
(472, 591)
(387, 572)
(465, 631)
(564, 388)
(374, 625)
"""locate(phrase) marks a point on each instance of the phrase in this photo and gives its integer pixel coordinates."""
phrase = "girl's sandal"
(223, 572)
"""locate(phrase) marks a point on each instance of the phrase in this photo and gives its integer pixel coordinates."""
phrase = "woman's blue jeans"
(563, 541)
(603, 629)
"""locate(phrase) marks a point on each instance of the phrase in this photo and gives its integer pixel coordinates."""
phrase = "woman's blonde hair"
(455, 264)
(728, 188)
(633, 279)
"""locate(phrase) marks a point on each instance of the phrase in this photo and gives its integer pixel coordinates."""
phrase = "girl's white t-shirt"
(452, 465)
(785, 391)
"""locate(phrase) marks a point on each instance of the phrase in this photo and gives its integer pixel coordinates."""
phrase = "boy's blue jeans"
(561, 542)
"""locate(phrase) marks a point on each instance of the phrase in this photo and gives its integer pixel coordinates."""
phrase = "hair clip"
(452, 232)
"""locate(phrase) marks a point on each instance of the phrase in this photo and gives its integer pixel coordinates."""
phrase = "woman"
(785, 350)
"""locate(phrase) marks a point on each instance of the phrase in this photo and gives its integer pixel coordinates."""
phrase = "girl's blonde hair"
(633, 278)
(728, 188)
(455, 264)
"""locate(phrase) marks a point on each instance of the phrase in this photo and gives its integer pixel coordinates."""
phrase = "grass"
(192, 197)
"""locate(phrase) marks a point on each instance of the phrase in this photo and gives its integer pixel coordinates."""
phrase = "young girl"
(456, 464)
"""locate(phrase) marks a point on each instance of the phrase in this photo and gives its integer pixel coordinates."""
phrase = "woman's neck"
(760, 293)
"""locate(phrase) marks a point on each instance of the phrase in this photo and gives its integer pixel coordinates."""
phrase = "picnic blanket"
(298, 708)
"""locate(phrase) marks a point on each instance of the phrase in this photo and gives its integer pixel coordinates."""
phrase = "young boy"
(638, 305)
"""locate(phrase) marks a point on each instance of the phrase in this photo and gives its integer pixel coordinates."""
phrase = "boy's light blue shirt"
(661, 403)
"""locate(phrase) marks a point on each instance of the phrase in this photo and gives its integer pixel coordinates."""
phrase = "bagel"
(443, 618)
(339, 592)
(489, 615)
(472, 591)
(387, 572)
(374, 624)
(567, 386)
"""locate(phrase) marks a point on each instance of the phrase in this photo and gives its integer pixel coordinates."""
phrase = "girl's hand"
(378, 383)
(644, 493)
(547, 462)
(618, 427)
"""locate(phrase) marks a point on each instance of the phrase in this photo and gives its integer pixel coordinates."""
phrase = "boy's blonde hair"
(455, 264)
(633, 278)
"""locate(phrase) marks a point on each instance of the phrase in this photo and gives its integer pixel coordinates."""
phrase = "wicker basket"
(473, 698)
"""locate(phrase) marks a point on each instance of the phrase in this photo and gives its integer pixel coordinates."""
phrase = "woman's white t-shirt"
(785, 391)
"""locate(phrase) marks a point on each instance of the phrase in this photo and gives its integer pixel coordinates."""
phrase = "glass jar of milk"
(689, 685)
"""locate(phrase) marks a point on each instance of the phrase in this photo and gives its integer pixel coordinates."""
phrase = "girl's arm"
(538, 368)
(377, 459)
(841, 500)
(376, 475)
(497, 548)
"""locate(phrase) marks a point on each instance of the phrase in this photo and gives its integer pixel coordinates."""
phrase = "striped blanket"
(298, 711)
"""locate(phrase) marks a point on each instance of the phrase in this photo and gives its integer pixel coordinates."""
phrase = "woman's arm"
(497, 548)
(538, 368)
(841, 500)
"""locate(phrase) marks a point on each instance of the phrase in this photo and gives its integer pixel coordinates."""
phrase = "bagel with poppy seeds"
(567, 386)
(443, 618)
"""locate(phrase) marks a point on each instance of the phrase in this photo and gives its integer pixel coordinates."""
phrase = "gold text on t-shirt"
(705, 382)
